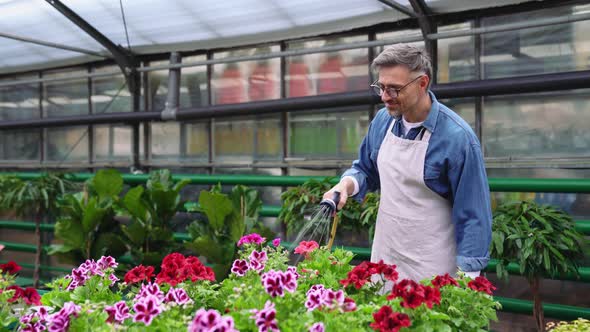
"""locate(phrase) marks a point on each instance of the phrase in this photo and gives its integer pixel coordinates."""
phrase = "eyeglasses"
(392, 92)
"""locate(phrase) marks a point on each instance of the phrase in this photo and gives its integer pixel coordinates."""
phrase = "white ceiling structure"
(156, 26)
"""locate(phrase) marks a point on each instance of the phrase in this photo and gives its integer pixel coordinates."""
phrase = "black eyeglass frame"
(379, 90)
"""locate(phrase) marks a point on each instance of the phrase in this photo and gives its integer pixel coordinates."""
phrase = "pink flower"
(151, 289)
(178, 295)
(146, 309)
(272, 283)
(266, 318)
(251, 238)
(240, 267)
(211, 320)
(306, 247)
(317, 327)
(276, 242)
(118, 312)
(106, 262)
(289, 281)
(259, 256)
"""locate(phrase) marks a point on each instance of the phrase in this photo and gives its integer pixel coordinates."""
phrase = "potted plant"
(541, 239)
(86, 224)
(37, 197)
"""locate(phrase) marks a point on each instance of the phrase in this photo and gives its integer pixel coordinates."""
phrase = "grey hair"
(416, 59)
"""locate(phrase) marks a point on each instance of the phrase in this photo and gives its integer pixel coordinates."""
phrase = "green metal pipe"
(514, 269)
(43, 267)
(21, 247)
(540, 185)
(582, 226)
(496, 184)
(25, 225)
(558, 311)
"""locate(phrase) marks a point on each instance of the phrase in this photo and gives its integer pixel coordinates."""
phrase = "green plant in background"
(151, 209)
(228, 218)
(86, 224)
(300, 201)
(36, 197)
(541, 239)
(578, 325)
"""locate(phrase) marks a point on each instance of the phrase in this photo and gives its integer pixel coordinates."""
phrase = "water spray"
(331, 205)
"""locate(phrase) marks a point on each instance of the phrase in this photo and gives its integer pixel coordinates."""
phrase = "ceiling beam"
(53, 45)
(398, 7)
(427, 26)
(124, 58)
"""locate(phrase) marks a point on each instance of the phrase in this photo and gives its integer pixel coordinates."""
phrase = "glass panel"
(193, 84)
(248, 80)
(537, 125)
(456, 56)
(67, 144)
(110, 94)
(248, 139)
(548, 49)
(465, 107)
(165, 140)
(197, 140)
(330, 72)
(327, 134)
(112, 143)
(65, 98)
(19, 103)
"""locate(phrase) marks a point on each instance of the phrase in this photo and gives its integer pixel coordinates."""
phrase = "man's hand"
(345, 187)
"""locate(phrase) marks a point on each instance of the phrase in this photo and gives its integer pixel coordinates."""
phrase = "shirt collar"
(430, 122)
(431, 119)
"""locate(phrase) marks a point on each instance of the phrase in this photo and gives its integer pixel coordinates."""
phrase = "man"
(434, 213)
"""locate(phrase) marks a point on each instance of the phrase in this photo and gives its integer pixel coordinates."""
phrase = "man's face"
(408, 98)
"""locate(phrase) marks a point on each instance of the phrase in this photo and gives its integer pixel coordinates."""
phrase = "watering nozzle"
(331, 204)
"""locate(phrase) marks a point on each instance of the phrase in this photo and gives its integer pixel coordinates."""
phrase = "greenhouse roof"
(156, 26)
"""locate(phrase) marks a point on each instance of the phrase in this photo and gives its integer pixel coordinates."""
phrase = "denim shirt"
(454, 169)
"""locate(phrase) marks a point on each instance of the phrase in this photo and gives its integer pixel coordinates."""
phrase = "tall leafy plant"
(86, 224)
(303, 200)
(36, 197)
(541, 239)
(227, 217)
(151, 209)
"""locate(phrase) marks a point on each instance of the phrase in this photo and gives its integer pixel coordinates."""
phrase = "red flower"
(176, 268)
(359, 275)
(388, 321)
(440, 281)
(139, 273)
(481, 284)
(306, 247)
(10, 267)
(415, 294)
(31, 296)
(18, 293)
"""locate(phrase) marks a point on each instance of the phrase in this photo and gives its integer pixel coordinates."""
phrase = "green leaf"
(207, 247)
(134, 204)
(92, 215)
(108, 244)
(107, 183)
(216, 207)
(70, 232)
(135, 232)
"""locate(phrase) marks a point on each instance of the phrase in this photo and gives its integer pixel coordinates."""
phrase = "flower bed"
(263, 293)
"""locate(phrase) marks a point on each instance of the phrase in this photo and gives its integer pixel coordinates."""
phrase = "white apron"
(414, 228)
